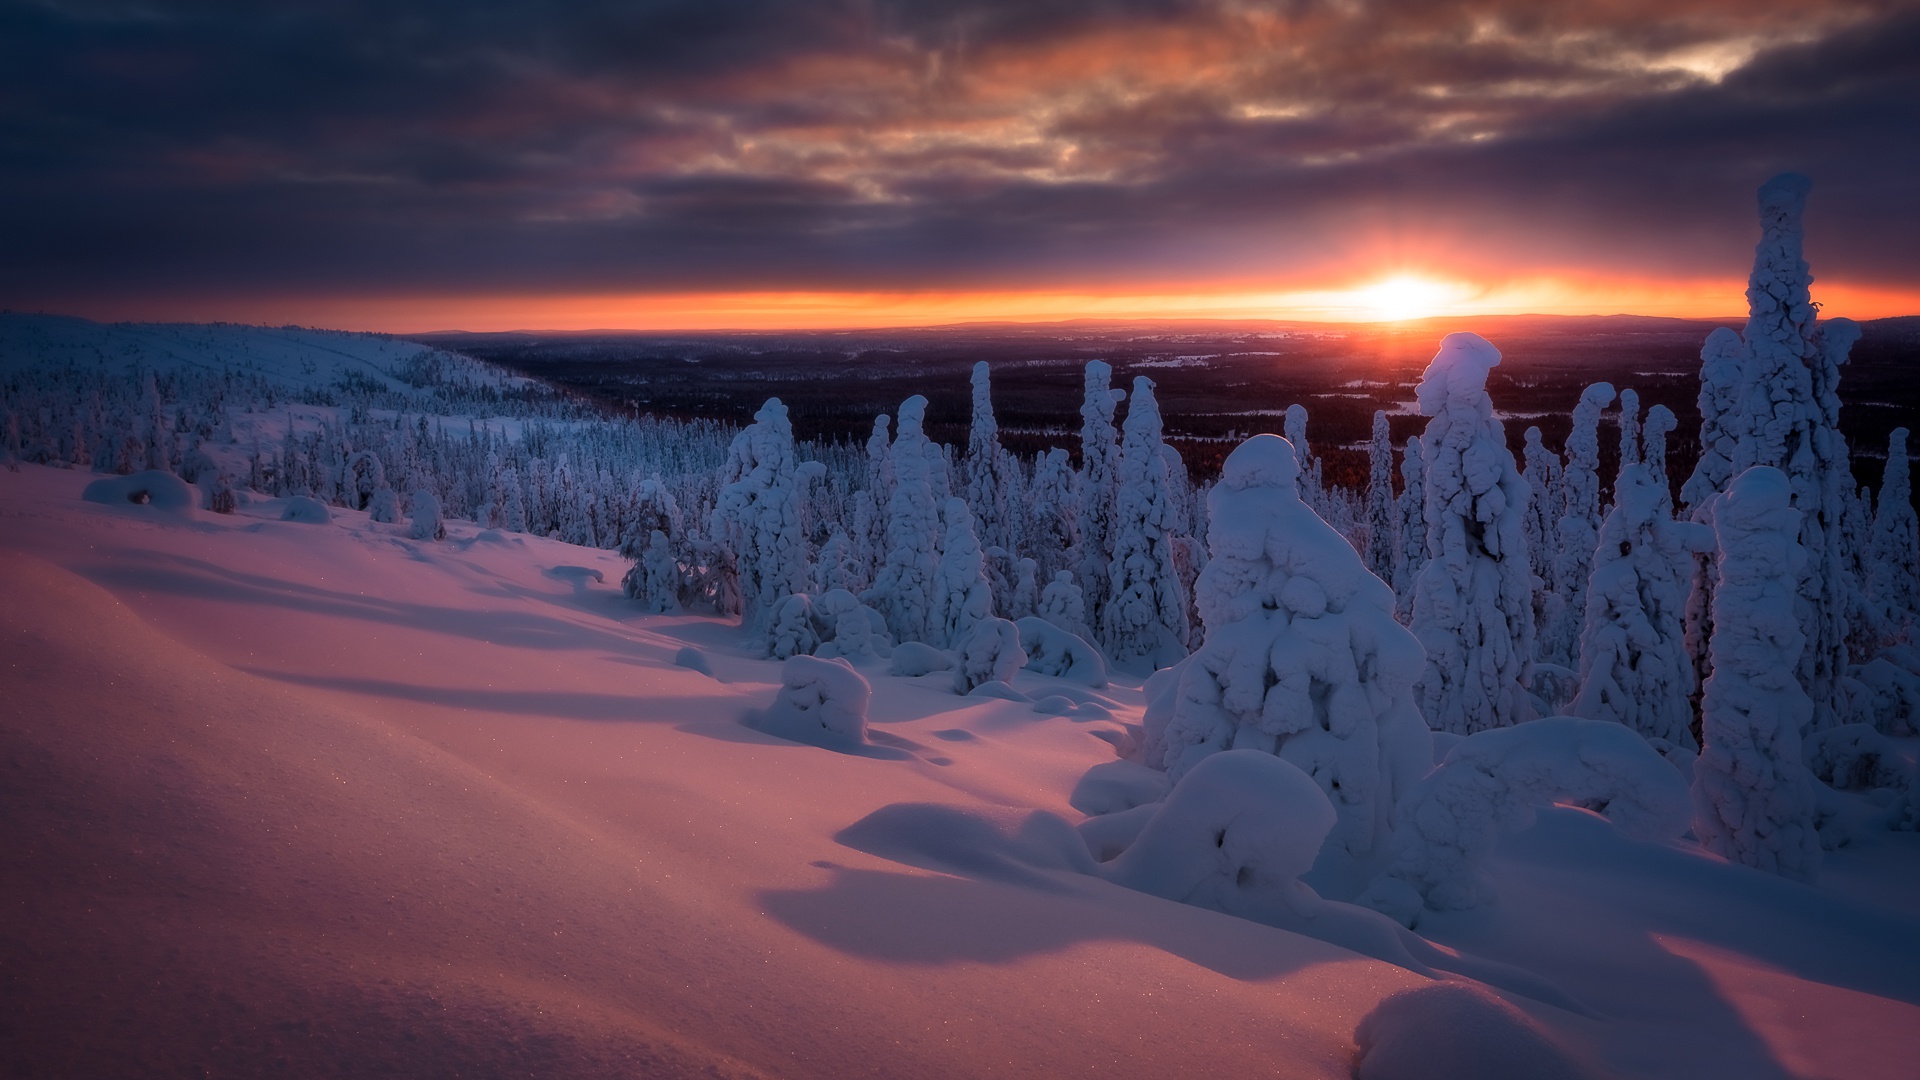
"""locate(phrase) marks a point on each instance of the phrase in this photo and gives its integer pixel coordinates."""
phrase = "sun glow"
(1405, 296)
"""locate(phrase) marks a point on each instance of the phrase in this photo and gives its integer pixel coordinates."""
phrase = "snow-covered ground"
(319, 799)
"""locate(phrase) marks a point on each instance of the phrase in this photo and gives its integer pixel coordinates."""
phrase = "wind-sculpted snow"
(1753, 797)
(1493, 781)
(1473, 600)
(1302, 657)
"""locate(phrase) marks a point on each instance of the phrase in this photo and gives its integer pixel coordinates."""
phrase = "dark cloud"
(472, 145)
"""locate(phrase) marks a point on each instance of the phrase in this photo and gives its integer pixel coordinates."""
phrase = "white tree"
(961, 594)
(1542, 527)
(903, 589)
(989, 469)
(1383, 525)
(1578, 529)
(1099, 469)
(1311, 488)
(1412, 553)
(1146, 614)
(758, 514)
(1052, 511)
(1753, 797)
(1473, 601)
(1653, 447)
(1302, 659)
(1633, 667)
(1629, 427)
(1893, 580)
(1064, 605)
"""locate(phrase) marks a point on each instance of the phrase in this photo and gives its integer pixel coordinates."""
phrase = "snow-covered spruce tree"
(989, 470)
(1099, 468)
(652, 532)
(1026, 590)
(1311, 488)
(427, 524)
(1383, 532)
(1064, 605)
(1302, 658)
(1145, 620)
(1412, 507)
(1629, 427)
(834, 567)
(1653, 447)
(1722, 361)
(1785, 412)
(1753, 797)
(1579, 526)
(961, 595)
(1893, 582)
(1633, 667)
(1473, 600)
(1542, 527)
(903, 589)
(1052, 511)
(758, 514)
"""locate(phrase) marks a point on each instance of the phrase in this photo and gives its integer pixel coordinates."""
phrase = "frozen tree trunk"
(1634, 669)
(1579, 526)
(1146, 615)
(962, 596)
(903, 590)
(1473, 601)
(1753, 797)
(758, 515)
(1099, 467)
(1301, 659)
(1893, 580)
(1411, 556)
(989, 471)
(1383, 525)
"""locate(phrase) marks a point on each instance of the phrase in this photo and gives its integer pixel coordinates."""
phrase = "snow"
(305, 511)
(1145, 618)
(1450, 1031)
(1055, 652)
(989, 652)
(158, 491)
(820, 702)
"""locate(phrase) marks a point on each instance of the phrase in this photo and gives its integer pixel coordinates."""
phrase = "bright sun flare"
(1404, 297)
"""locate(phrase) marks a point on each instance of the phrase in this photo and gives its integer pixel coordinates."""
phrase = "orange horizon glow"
(1386, 298)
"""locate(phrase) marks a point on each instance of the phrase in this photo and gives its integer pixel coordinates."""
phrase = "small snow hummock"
(912, 659)
(306, 511)
(1473, 600)
(153, 488)
(991, 652)
(1234, 834)
(1494, 779)
(1456, 1031)
(426, 522)
(821, 702)
(1054, 652)
(693, 660)
(1753, 796)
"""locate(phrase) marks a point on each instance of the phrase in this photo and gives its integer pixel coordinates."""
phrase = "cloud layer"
(331, 148)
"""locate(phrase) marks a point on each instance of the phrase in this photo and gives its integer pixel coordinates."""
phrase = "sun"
(1404, 296)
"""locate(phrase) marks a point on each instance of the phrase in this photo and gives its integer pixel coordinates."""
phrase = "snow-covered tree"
(1383, 532)
(1893, 582)
(1099, 471)
(835, 566)
(1412, 553)
(1753, 797)
(989, 469)
(1578, 529)
(1025, 598)
(1302, 658)
(1311, 488)
(1064, 605)
(1633, 667)
(1146, 614)
(427, 523)
(988, 651)
(1541, 524)
(1629, 427)
(1653, 446)
(1052, 511)
(961, 594)
(1473, 600)
(758, 514)
(903, 589)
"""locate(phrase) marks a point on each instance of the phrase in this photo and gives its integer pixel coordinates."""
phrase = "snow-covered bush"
(820, 702)
(1634, 667)
(1753, 797)
(790, 628)
(847, 628)
(1055, 652)
(1893, 693)
(1145, 619)
(384, 507)
(1855, 757)
(222, 499)
(153, 488)
(1234, 834)
(426, 522)
(1302, 657)
(990, 652)
(1473, 600)
(1493, 780)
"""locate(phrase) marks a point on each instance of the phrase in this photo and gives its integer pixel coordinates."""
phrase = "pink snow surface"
(284, 799)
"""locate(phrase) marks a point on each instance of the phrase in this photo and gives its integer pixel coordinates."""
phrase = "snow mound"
(1113, 786)
(997, 845)
(912, 659)
(1451, 1031)
(154, 488)
(990, 652)
(821, 702)
(1240, 826)
(996, 688)
(693, 660)
(306, 511)
(1855, 757)
(1493, 780)
(1057, 653)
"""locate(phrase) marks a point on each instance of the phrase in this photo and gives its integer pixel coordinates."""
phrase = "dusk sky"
(490, 165)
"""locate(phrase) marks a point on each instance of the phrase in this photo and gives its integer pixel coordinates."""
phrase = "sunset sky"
(491, 165)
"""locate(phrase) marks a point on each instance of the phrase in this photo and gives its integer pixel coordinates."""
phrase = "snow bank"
(821, 702)
(1452, 1031)
(912, 659)
(306, 511)
(155, 489)
(995, 844)
(1057, 653)
(1492, 780)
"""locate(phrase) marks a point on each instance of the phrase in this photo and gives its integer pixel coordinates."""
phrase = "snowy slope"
(317, 800)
